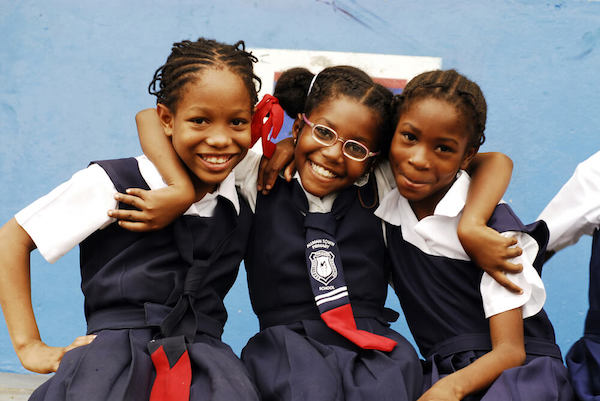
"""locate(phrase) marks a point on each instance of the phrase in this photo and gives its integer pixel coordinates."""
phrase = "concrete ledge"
(18, 387)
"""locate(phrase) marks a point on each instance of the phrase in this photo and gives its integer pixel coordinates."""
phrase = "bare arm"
(15, 298)
(508, 351)
(160, 207)
(491, 174)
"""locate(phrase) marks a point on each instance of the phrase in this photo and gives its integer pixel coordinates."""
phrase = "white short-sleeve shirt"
(437, 235)
(67, 215)
(575, 210)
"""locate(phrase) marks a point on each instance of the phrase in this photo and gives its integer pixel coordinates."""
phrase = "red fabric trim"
(341, 319)
(171, 384)
(270, 109)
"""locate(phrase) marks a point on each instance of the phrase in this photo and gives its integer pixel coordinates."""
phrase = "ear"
(468, 157)
(297, 127)
(166, 118)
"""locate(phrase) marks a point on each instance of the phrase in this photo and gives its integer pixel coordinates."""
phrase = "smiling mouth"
(322, 171)
(413, 184)
(216, 159)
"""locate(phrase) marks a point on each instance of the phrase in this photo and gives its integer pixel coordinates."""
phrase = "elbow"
(504, 159)
(514, 356)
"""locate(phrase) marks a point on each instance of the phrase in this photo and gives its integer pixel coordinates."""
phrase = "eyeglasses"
(350, 148)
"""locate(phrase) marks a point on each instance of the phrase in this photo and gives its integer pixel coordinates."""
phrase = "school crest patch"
(322, 266)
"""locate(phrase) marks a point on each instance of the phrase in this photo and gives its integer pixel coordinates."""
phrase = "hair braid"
(454, 88)
(188, 58)
(292, 92)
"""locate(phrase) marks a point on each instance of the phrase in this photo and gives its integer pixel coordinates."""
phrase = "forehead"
(216, 87)
(430, 113)
(348, 117)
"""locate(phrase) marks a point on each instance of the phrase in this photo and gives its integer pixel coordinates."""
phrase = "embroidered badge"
(322, 266)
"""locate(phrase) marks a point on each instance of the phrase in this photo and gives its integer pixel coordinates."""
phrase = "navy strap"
(124, 173)
(482, 342)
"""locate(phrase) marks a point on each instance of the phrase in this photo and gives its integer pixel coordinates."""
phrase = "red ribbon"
(270, 109)
(171, 383)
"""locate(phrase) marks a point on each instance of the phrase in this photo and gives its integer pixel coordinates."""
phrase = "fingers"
(80, 341)
(132, 200)
(289, 171)
(511, 267)
(261, 169)
(513, 252)
(136, 226)
(506, 283)
(127, 215)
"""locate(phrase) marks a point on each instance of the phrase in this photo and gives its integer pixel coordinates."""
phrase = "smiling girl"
(474, 333)
(317, 262)
(154, 310)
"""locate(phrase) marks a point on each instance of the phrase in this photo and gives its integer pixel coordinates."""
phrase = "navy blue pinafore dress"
(144, 287)
(296, 356)
(583, 359)
(442, 302)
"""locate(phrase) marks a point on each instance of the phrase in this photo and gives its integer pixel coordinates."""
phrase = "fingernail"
(128, 190)
(117, 196)
(110, 213)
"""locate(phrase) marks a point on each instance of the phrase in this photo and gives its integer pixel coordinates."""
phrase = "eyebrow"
(329, 124)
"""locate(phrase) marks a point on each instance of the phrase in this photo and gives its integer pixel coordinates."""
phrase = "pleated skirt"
(117, 366)
(308, 361)
(540, 378)
(583, 362)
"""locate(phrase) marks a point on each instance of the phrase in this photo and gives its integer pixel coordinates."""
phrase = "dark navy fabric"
(296, 356)
(583, 359)
(144, 286)
(442, 303)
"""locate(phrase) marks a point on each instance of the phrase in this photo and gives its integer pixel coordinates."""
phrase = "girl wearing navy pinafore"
(573, 212)
(297, 355)
(480, 341)
(141, 287)
(441, 291)
(153, 301)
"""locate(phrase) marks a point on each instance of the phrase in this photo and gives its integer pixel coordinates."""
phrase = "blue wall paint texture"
(73, 75)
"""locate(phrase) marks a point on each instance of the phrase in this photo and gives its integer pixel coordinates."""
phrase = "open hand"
(282, 160)
(492, 252)
(156, 208)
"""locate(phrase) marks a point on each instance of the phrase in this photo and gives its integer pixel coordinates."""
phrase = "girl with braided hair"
(317, 262)
(153, 301)
(480, 341)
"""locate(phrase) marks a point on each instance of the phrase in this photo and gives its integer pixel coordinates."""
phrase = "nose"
(334, 152)
(418, 158)
(218, 137)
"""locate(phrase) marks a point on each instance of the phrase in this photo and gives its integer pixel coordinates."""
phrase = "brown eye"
(325, 134)
(355, 149)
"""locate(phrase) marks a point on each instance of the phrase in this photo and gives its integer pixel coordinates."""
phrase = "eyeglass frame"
(337, 138)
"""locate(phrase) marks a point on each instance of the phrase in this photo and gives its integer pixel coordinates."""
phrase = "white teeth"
(216, 159)
(322, 171)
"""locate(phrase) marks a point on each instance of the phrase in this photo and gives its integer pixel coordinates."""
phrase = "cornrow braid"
(453, 87)
(188, 58)
(332, 82)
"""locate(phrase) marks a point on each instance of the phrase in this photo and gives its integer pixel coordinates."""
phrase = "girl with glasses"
(317, 262)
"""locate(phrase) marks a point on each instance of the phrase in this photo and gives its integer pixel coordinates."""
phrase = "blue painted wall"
(73, 74)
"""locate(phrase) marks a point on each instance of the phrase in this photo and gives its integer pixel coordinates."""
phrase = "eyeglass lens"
(328, 137)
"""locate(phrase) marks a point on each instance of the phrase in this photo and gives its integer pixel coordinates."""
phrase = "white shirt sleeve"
(575, 210)
(497, 299)
(246, 177)
(71, 212)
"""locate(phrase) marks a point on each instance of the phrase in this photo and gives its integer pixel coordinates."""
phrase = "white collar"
(395, 209)
(226, 188)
